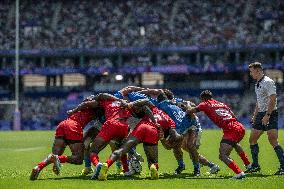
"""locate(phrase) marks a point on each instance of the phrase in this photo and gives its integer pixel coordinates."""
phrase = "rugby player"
(233, 130)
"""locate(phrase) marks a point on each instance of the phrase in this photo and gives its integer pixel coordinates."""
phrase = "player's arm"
(83, 106)
(270, 108)
(143, 105)
(172, 141)
(166, 143)
(254, 113)
(106, 96)
(126, 90)
(271, 103)
(140, 103)
(152, 92)
(174, 137)
(192, 110)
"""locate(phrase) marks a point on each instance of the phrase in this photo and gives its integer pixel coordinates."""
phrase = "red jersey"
(113, 109)
(163, 119)
(82, 117)
(218, 112)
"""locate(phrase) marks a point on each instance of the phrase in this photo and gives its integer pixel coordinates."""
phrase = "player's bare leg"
(130, 142)
(224, 155)
(242, 154)
(178, 153)
(57, 149)
(87, 139)
(98, 144)
(192, 149)
(151, 152)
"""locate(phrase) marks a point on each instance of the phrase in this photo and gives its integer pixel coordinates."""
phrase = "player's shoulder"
(267, 80)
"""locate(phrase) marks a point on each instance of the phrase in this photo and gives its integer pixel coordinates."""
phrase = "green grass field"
(20, 151)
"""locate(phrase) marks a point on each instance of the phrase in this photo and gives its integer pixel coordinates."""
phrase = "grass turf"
(21, 151)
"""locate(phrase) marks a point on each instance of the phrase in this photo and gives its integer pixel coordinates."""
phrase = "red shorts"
(114, 130)
(69, 130)
(146, 132)
(235, 132)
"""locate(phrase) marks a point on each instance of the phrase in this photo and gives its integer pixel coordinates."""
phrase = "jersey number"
(224, 113)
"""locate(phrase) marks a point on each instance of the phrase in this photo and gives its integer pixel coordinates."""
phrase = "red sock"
(234, 167)
(63, 159)
(109, 162)
(42, 165)
(94, 158)
(244, 157)
(124, 163)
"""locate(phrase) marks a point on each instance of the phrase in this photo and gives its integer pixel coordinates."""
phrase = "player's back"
(83, 117)
(114, 109)
(218, 112)
(181, 119)
(163, 119)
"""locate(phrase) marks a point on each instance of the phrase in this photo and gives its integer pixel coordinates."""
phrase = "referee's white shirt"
(263, 89)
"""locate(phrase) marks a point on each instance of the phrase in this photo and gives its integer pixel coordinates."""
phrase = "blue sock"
(180, 163)
(87, 162)
(118, 164)
(196, 165)
(211, 164)
(132, 151)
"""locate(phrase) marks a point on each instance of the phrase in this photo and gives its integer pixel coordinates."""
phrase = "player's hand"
(124, 104)
(265, 120)
(160, 133)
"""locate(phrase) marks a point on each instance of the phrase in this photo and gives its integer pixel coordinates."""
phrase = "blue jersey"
(177, 100)
(137, 96)
(118, 94)
(181, 119)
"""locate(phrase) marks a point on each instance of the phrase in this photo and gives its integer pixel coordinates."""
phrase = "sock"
(124, 163)
(94, 158)
(211, 164)
(280, 154)
(254, 153)
(42, 165)
(196, 165)
(63, 159)
(180, 163)
(87, 161)
(132, 151)
(109, 162)
(234, 167)
(118, 164)
(244, 157)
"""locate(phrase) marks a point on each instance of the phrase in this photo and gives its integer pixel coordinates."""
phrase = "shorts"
(146, 132)
(235, 132)
(69, 130)
(273, 121)
(114, 130)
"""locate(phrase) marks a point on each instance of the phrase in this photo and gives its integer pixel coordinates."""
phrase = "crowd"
(89, 24)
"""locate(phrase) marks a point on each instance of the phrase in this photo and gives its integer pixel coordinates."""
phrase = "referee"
(265, 117)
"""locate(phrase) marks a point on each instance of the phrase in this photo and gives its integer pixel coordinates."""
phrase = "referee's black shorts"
(273, 121)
